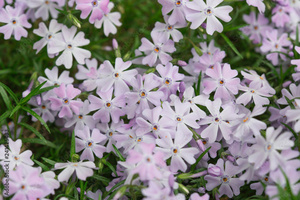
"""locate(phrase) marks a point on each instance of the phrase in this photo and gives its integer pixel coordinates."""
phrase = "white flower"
(82, 169)
(67, 42)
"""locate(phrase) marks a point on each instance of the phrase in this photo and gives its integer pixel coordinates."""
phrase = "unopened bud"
(75, 157)
(74, 20)
(115, 44)
(199, 174)
(181, 63)
(120, 193)
(201, 145)
(291, 54)
(214, 171)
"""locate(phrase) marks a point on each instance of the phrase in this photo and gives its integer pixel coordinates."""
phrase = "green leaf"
(227, 40)
(5, 98)
(4, 115)
(12, 94)
(34, 131)
(38, 141)
(234, 28)
(43, 166)
(199, 83)
(199, 158)
(288, 127)
(118, 153)
(15, 110)
(31, 94)
(110, 166)
(51, 162)
(103, 179)
(72, 150)
(116, 186)
(46, 89)
(37, 116)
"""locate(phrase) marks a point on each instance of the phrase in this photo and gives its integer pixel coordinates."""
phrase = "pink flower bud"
(286, 84)
(214, 171)
(181, 63)
(115, 44)
(201, 145)
(291, 54)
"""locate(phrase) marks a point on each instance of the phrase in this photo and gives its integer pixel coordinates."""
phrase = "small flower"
(181, 118)
(26, 183)
(273, 43)
(116, 77)
(147, 162)
(48, 35)
(83, 119)
(64, 101)
(222, 121)
(89, 143)
(169, 79)
(179, 9)
(268, 148)
(82, 169)
(176, 150)
(208, 10)
(256, 92)
(281, 15)
(43, 7)
(97, 7)
(257, 27)
(107, 106)
(15, 21)
(165, 30)
(109, 21)
(229, 184)
(157, 50)
(222, 80)
(139, 99)
(67, 42)
(14, 158)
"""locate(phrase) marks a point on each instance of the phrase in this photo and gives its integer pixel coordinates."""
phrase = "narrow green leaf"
(116, 186)
(15, 110)
(38, 141)
(227, 40)
(288, 127)
(34, 131)
(51, 162)
(110, 166)
(4, 115)
(12, 94)
(119, 153)
(234, 28)
(199, 158)
(37, 116)
(101, 178)
(43, 166)
(32, 93)
(46, 89)
(5, 98)
(72, 150)
(199, 83)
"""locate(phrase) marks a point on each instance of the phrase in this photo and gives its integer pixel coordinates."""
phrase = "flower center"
(175, 150)
(167, 81)
(89, 144)
(95, 3)
(221, 82)
(80, 116)
(16, 158)
(252, 91)
(156, 49)
(14, 21)
(225, 179)
(255, 27)
(208, 11)
(217, 119)
(178, 119)
(47, 2)
(49, 36)
(23, 187)
(269, 147)
(66, 101)
(139, 140)
(148, 160)
(246, 119)
(43, 107)
(178, 3)
(110, 133)
(261, 78)
(108, 104)
(266, 179)
(204, 142)
(170, 27)
(69, 46)
(143, 94)
(276, 46)
(117, 75)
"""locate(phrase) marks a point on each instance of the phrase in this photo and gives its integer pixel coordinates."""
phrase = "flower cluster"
(203, 117)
